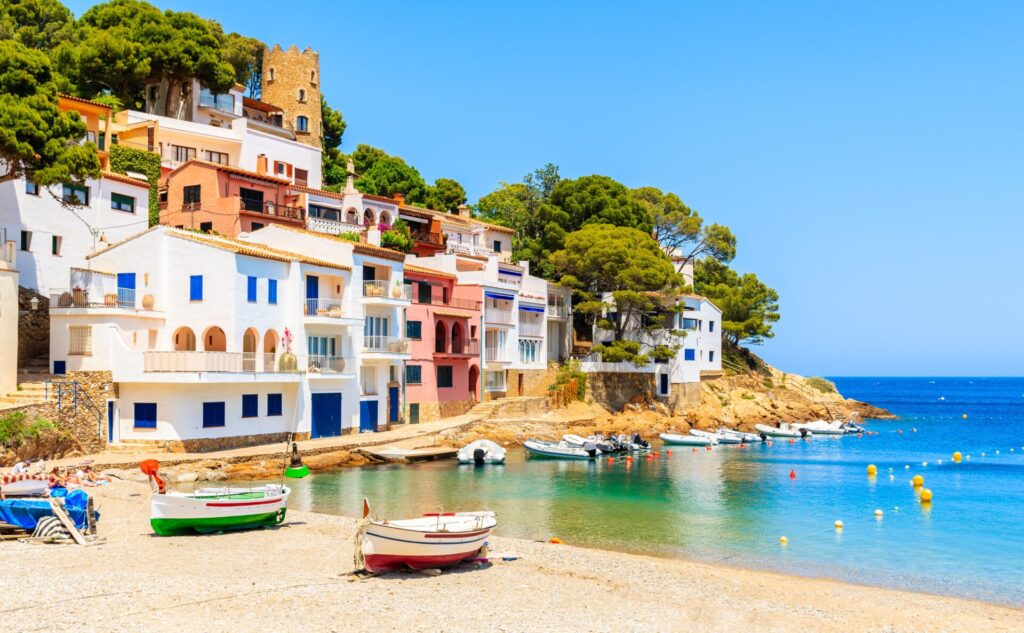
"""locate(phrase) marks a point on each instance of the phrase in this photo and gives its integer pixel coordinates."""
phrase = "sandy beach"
(298, 577)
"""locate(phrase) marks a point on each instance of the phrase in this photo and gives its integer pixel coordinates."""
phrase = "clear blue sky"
(868, 156)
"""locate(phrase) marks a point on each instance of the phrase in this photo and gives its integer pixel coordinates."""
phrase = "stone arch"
(474, 381)
(385, 218)
(440, 337)
(184, 340)
(369, 217)
(270, 341)
(250, 343)
(352, 216)
(214, 340)
(458, 340)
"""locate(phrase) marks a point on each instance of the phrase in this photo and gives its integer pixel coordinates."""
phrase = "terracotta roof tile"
(380, 198)
(125, 179)
(230, 170)
(457, 315)
(252, 249)
(359, 247)
(411, 268)
(262, 106)
(318, 192)
(81, 100)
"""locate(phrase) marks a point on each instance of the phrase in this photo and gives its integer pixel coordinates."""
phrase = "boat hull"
(685, 440)
(24, 485)
(553, 451)
(176, 514)
(386, 548)
(772, 431)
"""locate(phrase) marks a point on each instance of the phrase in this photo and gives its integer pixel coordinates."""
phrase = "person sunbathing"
(88, 475)
(56, 479)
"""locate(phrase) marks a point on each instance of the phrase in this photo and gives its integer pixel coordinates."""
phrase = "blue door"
(393, 404)
(110, 421)
(126, 290)
(60, 367)
(326, 415)
(664, 385)
(367, 416)
(312, 287)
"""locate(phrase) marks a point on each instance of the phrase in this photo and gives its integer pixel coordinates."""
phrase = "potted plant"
(110, 299)
(396, 290)
(289, 362)
(79, 297)
(147, 302)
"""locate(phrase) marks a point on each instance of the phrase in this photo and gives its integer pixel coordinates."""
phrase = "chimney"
(350, 178)
(399, 198)
(464, 211)
(261, 164)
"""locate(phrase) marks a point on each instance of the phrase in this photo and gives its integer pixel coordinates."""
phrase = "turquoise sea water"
(731, 505)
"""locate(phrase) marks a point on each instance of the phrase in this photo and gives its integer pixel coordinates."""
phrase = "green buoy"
(296, 469)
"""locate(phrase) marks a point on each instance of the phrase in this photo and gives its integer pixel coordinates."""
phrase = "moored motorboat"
(635, 443)
(430, 541)
(481, 452)
(206, 510)
(821, 427)
(783, 430)
(562, 450)
(717, 437)
(743, 437)
(686, 440)
(604, 445)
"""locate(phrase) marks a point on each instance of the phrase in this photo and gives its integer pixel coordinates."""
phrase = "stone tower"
(291, 81)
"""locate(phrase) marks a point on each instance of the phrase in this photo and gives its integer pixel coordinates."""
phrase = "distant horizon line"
(831, 376)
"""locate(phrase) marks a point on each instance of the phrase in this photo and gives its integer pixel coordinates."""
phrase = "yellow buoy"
(964, 416)
(783, 540)
(839, 525)
(926, 496)
(872, 469)
(554, 540)
(918, 481)
(957, 456)
(878, 513)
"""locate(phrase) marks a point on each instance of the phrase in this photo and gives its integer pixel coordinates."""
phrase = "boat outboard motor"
(478, 456)
(639, 441)
(803, 431)
(764, 438)
(591, 449)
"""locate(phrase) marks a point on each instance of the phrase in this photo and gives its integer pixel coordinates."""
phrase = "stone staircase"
(141, 447)
(32, 390)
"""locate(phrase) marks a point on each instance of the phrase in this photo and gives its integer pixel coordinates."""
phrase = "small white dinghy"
(719, 438)
(743, 437)
(562, 450)
(433, 540)
(821, 427)
(481, 452)
(686, 440)
(783, 430)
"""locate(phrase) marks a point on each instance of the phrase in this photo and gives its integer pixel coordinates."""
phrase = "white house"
(56, 227)
(8, 318)
(194, 329)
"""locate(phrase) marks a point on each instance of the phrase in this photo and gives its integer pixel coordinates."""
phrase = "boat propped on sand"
(686, 440)
(783, 430)
(562, 450)
(433, 540)
(481, 452)
(23, 485)
(207, 510)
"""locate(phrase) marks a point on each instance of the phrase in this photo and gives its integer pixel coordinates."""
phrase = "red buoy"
(792, 474)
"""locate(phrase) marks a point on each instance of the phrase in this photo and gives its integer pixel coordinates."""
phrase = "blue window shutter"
(413, 374)
(413, 329)
(213, 414)
(250, 405)
(195, 288)
(274, 404)
(690, 354)
(711, 326)
(444, 375)
(272, 291)
(252, 289)
(145, 415)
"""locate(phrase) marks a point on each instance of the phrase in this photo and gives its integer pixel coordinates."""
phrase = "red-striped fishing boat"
(433, 540)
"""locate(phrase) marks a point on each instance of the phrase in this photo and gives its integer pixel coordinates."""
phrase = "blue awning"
(514, 273)
(530, 309)
(498, 295)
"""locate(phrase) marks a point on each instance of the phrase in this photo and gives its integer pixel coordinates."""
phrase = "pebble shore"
(298, 578)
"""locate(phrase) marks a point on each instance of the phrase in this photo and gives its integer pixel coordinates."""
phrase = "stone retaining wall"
(33, 326)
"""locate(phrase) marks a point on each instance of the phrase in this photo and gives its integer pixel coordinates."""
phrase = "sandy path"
(296, 578)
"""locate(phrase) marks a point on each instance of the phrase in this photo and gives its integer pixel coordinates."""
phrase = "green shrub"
(14, 429)
(124, 159)
(572, 370)
(351, 236)
(821, 384)
(397, 237)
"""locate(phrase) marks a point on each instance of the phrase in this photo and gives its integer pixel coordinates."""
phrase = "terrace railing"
(384, 289)
(386, 344)
(85, 298)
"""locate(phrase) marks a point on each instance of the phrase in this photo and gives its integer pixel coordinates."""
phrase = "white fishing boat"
(686, 440)
(206, 510)
(821, 427)
(562, 450)
(481, 452)
(783, 430)
(719, 438)
(23, 485)
(744, 437)
(433, 540)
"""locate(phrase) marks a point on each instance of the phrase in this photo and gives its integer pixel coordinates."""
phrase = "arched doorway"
(352, 216)
(474, 381)
(440, 337)
(184, 340)
(369, 219)
(457, 338)
(385, 220)
(249, 342)
(214, 340)
(270, 350)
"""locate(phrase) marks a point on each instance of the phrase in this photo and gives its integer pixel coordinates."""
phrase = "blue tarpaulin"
(25, 513)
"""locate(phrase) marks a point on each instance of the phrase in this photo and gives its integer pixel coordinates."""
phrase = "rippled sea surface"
(731, 505)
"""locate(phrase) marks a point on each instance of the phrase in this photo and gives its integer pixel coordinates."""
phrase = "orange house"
(227, 200)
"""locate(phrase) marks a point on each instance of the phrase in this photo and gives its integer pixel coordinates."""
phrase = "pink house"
(442, 377)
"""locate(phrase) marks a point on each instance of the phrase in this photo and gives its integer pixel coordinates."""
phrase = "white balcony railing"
(386, 344)
(384, 289)
(332, 227)
(462, 248)
(327, 307)
(558, 311)
(499, 316)
(240, 362)
(465, 347)
(497, 355)
(531, 328)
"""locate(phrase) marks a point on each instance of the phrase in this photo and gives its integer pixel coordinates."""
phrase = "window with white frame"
(494, 381)
(80, 340)
(529, 350)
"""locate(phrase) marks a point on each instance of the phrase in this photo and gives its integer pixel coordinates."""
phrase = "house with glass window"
(691, 324)
(442, 375)
(56, 227)
(214, 342)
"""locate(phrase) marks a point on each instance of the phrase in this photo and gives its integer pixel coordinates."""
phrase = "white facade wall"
(8, 319)
(81, 229)
(299, 155)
